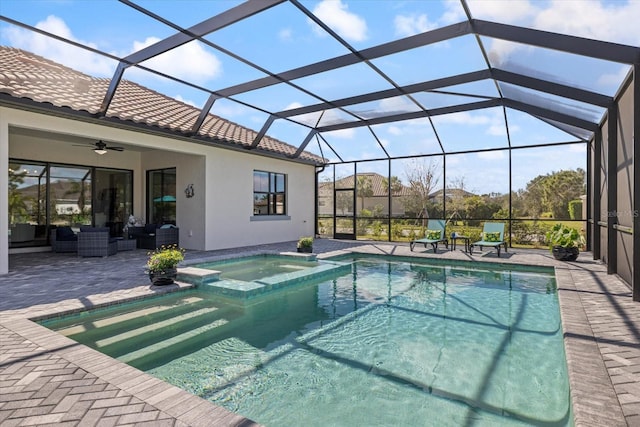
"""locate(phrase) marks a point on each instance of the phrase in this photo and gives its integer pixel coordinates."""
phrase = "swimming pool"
(389, 343)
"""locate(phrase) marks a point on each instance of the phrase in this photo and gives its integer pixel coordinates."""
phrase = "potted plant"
(305, 244)
(565, 242)
(162, 264)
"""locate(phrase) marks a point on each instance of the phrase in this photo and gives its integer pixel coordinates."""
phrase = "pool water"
(391, 343)
(255, 268)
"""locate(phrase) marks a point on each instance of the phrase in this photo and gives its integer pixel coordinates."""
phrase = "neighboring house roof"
(378, 184)
(28, 76)
(452, 193)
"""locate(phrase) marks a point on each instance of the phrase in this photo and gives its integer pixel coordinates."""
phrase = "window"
(269, 193)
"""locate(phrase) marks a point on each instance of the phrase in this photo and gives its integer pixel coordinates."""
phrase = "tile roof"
(26, 75)
(378, 183)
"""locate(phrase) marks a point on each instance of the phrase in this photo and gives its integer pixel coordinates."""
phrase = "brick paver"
(47, 379)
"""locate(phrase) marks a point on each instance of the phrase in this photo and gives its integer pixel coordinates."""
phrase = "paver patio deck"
(48, 379)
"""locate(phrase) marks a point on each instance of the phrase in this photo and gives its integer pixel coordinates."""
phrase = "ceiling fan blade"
(115, 148)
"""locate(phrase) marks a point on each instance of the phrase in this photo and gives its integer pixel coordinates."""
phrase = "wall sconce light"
(189, 191)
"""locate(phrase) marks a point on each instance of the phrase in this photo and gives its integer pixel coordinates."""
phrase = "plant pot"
(305, 249)
(565, 254)
(164, 277)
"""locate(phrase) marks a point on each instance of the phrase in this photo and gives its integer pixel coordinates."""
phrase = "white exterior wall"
(220, 213)
(230, 202)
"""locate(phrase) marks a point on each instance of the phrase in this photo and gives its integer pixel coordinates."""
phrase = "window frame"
(272, 194)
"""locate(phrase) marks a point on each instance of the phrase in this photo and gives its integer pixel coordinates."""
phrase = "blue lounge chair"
(492, 236)
(434, 235)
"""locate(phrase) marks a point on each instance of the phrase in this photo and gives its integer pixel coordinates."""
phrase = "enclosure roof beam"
(552, 88)
(607, 51)
(413, 115)
(550, 114)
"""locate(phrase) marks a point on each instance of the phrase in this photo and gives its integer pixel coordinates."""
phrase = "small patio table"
(456, 237)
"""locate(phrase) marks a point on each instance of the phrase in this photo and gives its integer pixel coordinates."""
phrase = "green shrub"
(575, 209)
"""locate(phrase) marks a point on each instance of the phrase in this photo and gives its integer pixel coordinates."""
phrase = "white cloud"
(465, 118)
(66, 54)
(285, 34)
(615, 80)
(395, 130)
(497, 130)
(577, 148)
(293, 105)
(335, 14)
(513, 12)
(617, 22)
(342, 133)
(491, 155)
(189, 62)
(410, 25)
(186, 101)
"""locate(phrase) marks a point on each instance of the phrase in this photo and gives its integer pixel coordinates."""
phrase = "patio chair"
(435, 234)
(63, 239)
(152, 236)
(492, 236)
(95, 241)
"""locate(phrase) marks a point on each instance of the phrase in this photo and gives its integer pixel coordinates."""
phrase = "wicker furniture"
(62, 241)
(150, 237)
(23, 233)
(125, 244)
(96, 242)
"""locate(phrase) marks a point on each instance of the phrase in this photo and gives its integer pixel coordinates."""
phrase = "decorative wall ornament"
(189, 191)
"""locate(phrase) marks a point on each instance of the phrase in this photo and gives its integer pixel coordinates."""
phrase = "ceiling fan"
(101, 148)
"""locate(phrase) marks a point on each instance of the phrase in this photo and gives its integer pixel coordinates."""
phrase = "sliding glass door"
(45, 195)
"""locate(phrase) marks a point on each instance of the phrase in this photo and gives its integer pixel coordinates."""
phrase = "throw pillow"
(433, 234)
(65, 234)
(492, 237)
(150, 228)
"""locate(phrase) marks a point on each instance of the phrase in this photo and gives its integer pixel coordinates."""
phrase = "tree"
(455, 194)
(422, 178)
(364, 189)
(17, 205)
(553, 192)
(396, 185)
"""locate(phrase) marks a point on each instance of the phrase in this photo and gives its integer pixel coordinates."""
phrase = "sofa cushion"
(65, 233)
(150, 229)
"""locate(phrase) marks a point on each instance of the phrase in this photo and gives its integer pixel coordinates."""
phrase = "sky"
(282, 38)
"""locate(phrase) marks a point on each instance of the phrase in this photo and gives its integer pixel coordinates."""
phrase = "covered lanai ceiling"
(336, 78)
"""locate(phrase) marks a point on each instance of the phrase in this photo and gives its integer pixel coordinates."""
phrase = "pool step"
(165, 347)
(133, 333)
(197, 276)
(124, 317)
